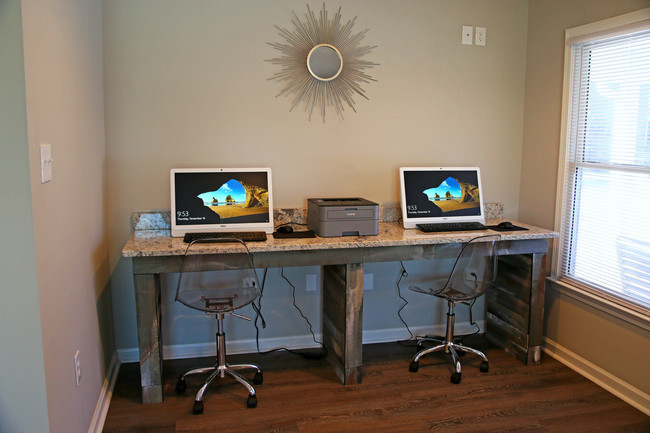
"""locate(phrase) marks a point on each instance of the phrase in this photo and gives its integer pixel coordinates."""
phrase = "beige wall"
(547, 21)
(63, 81)
(186, 85)
(609, 343)
(23, 406)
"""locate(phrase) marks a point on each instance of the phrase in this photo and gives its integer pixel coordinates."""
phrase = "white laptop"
(221, 200)
(434, 195)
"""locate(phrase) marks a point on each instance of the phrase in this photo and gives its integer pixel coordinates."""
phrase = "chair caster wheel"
(419, 347)
(258, 378)
(413, 367)
(252, 401)
(484, 367)
(197, 409)
(181, 386)
(455, 377)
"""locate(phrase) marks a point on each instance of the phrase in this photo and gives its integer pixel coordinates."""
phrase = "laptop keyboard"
(244, 236)
(451, 227)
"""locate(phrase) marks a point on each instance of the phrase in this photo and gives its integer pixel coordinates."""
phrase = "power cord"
(403, 273)
(258, 308)
(290, 223)
(293, 298)
(471, 321)
(258, 312)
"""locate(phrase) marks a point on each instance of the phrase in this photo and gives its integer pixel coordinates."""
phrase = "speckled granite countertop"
(151, 243)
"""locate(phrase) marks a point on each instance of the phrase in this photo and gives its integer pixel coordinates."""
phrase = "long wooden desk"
(515, 302)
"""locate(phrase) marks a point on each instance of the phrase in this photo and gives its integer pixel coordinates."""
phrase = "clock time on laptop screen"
(221, 199)
(440, 194)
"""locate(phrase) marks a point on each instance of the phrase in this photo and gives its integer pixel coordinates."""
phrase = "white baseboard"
(623, 390)
(180, 351)
(104, 400)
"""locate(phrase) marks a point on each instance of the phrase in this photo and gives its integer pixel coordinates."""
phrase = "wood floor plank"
(305, 396)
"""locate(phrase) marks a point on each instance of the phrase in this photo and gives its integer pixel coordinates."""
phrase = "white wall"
(64, 95)
(186, 84)
(23, 406)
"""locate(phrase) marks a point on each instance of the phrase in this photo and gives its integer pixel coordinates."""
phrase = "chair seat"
(439, 290)
(223, 300)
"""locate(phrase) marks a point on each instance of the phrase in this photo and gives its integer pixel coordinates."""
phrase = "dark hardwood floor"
(302, 395)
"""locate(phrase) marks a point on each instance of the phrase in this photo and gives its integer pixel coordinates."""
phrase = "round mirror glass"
(324, 62)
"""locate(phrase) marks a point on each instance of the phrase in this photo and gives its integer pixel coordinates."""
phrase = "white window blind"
(605, 213)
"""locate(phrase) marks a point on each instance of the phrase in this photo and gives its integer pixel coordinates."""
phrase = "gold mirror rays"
(321, 63)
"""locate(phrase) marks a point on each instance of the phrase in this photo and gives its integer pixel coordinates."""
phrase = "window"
(604, 200)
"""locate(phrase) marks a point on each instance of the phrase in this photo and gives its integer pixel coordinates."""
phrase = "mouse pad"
(295, 235)
(499, 229)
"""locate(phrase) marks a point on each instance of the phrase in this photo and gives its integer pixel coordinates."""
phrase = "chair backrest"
(474, 269)
(217, 283)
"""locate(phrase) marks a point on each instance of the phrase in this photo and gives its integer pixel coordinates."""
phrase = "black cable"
(471, 322)
(293, 297)
(290, 223)
(258, 310)
(403, 273)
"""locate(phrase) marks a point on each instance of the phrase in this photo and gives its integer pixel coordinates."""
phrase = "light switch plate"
(468, 32)
(46, 163)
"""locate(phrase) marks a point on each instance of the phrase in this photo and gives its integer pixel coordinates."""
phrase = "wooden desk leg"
(147, 306)
(536, 324)
(515, 306)
(342, 319)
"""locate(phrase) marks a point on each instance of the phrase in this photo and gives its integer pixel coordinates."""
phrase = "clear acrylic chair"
(219, 284)
(473, 272)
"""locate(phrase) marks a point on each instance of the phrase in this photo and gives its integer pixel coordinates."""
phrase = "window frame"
(600, 299)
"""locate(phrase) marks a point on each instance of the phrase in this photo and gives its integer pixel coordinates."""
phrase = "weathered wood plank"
(513, 312)
(538, 288)
(147, 305)
(507, 337)
(342, 319)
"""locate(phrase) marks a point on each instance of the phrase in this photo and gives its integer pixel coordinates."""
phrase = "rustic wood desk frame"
(515, 303)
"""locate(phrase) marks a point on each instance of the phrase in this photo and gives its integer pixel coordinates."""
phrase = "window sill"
(595, 300)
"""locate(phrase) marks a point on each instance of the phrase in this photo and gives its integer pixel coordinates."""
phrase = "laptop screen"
(221, 199)
(440, 194)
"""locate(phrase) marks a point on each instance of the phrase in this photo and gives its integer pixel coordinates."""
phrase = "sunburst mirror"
(321, 63)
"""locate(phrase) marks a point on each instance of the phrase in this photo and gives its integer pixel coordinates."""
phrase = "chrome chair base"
(449, 346)
(221, 369)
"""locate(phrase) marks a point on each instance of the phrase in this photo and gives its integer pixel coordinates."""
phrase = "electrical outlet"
(311, 284)
(46, 162)
(367, 281)
(77, 367)
(480, 36)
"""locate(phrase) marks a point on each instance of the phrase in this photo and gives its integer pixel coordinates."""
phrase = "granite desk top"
(152, 243)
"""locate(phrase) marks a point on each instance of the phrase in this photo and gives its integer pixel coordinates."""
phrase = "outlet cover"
(368, 281)
(46, 163)
(480, 36)
(312, 283)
